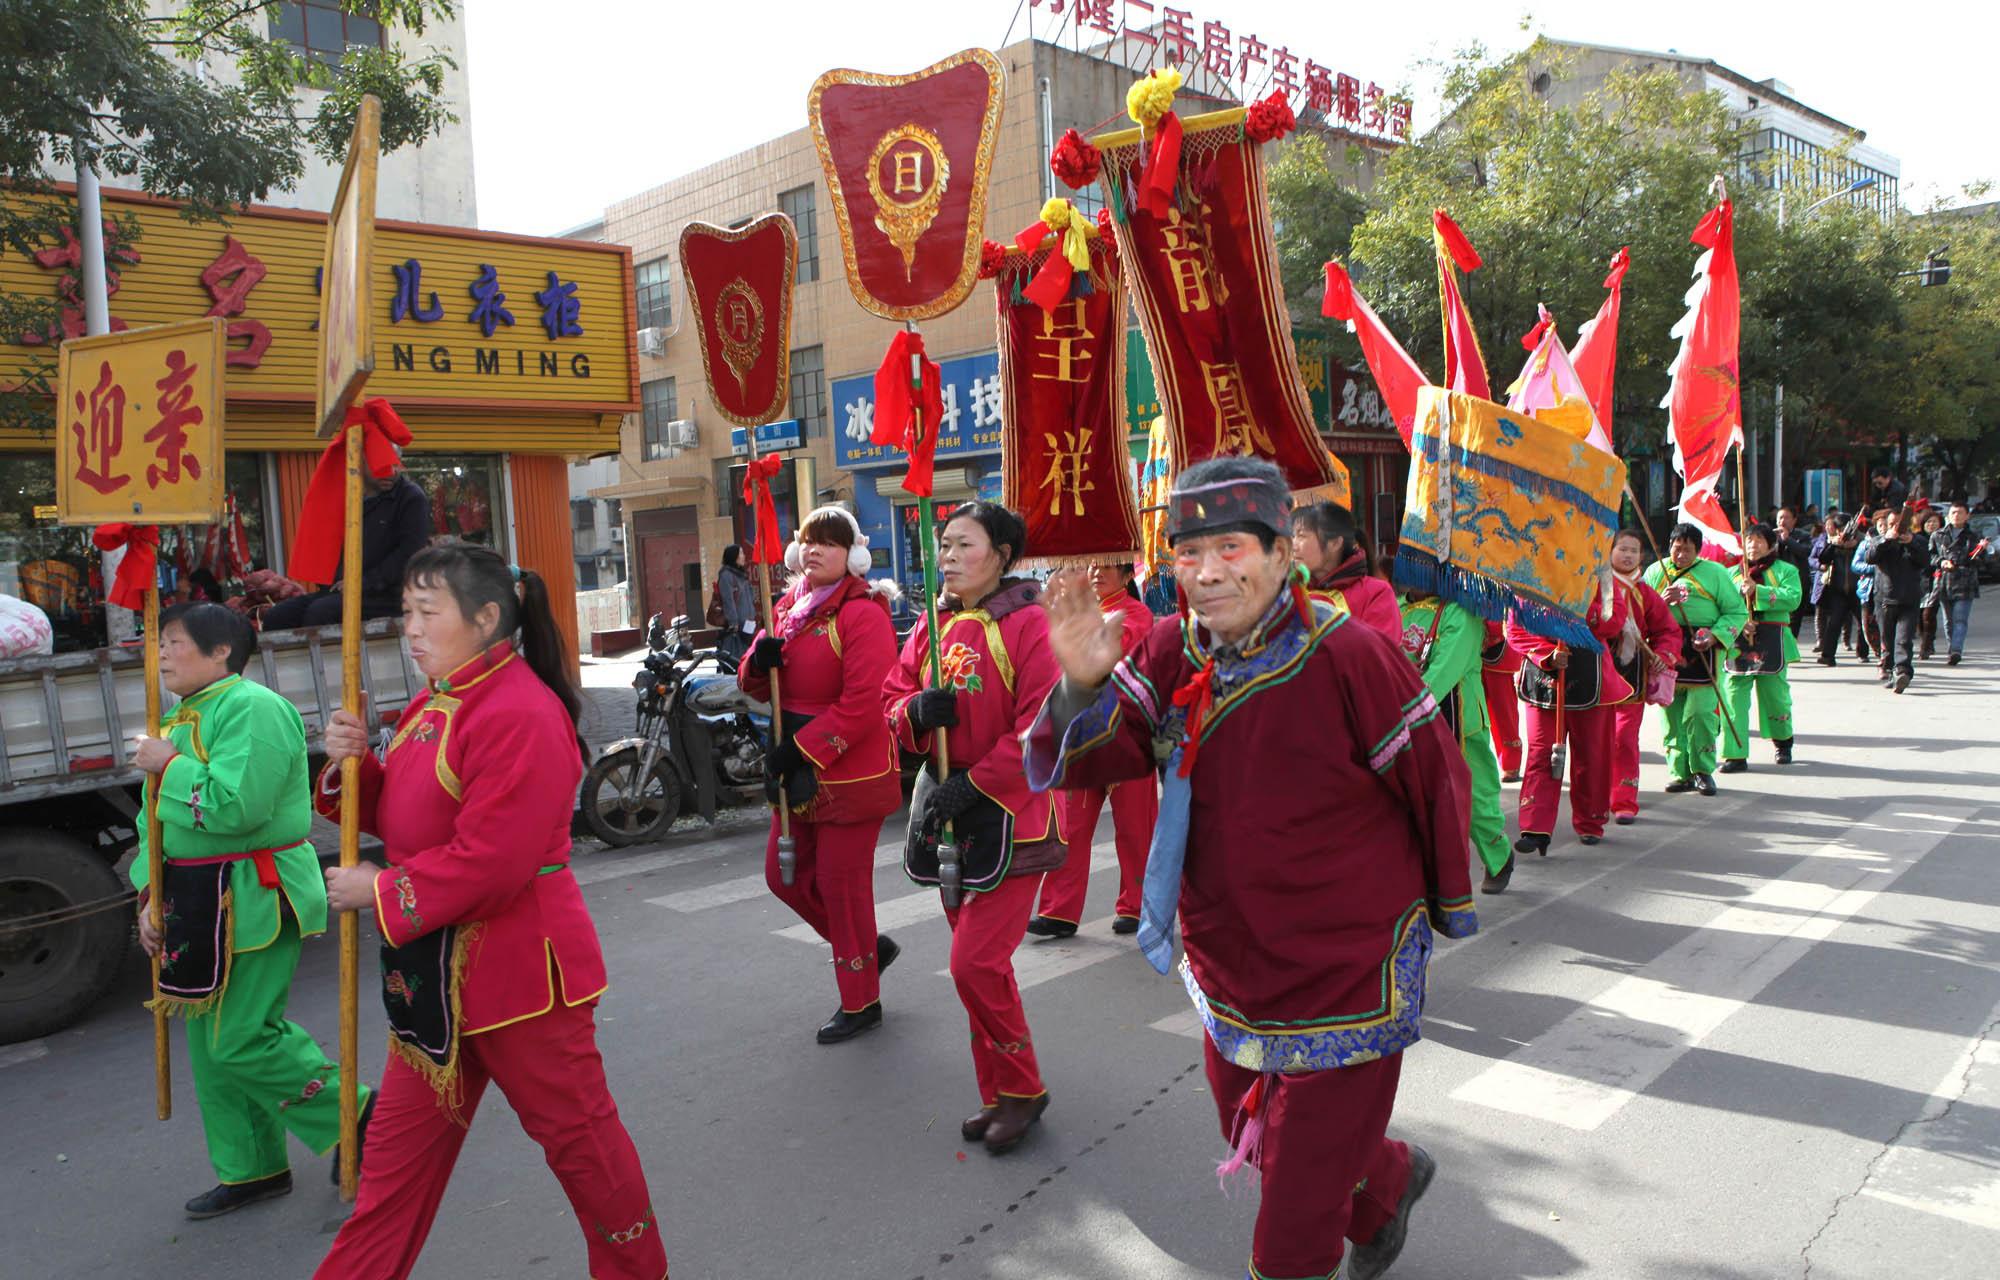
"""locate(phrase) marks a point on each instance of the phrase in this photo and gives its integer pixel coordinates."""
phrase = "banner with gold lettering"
(907, 159)
(1204, 272)
(740, 299)
(1062, 375)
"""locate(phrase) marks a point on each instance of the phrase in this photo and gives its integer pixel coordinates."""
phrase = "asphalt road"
(1748, 1037)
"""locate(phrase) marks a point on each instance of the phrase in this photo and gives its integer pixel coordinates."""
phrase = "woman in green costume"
(1765, 648)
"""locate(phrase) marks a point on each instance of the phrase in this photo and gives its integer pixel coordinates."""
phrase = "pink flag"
(1550, 391)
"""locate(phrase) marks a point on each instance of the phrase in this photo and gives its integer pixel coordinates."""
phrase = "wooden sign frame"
(73, 506)
(347, 293)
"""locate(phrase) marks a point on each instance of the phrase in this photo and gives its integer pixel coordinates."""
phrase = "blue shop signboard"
(971, 388)
(771, 436)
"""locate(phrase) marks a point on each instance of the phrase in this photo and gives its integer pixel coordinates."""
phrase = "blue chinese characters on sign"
(403, 303)
(489, 305)
(972, 400)
(560, 308)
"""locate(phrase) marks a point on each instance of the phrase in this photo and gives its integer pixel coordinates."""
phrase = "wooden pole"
(788, 857)
(163, 1083)
(949, 883)
(350, 819)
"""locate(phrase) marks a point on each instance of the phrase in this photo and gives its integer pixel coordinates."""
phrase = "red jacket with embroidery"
(1539, 649)
(834, 670)
(997, 657)
(473, 807)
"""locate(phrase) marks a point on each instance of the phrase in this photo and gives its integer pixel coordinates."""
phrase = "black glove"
(786, 763)
(946, 801)
(784, 760)
(767, 656)
(932, 709)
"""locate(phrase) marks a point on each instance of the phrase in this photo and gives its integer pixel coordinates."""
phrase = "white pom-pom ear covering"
(858, 559)
(795, 556)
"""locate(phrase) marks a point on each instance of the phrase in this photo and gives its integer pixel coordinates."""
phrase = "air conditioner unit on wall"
(652, 342)
(681, 434)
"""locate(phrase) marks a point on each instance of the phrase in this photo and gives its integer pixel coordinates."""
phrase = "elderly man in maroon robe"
(1308, 911)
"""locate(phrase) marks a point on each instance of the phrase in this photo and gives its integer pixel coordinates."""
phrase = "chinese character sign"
(139, 425)
(346, 342)
(1066, 468)
(970, 423)
(740, 298)
(907, 160)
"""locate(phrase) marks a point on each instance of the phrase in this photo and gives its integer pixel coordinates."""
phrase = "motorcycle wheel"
(656, 800)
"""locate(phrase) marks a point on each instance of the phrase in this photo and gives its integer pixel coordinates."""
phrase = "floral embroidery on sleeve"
(194, 807)
(406, 902)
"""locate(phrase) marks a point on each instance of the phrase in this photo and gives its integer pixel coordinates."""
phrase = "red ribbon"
(1620, 263)
(769, 547)
(1195, 695)
(896, 408)
(1533, 337)
(139, 570)
(322, 523)
(1463, 255)
(1163, 167)
(1051, 284)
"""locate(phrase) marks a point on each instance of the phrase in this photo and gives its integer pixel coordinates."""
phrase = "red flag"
(139, 569)
(1395, 373)
(896, 416)
(322, 526)
(740, 299)
(1704, 401)
(770, 545)
(1464, 365)
(1595, 356)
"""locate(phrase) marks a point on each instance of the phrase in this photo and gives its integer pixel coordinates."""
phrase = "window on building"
(809, 390)
(797, 204)
(659, 404)
(656, 299)
(319, 29)
(580, 518)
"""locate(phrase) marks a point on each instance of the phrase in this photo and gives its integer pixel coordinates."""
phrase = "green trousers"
(257, 1074)
(1774, 711)
(1693, 719)
(1489, 828)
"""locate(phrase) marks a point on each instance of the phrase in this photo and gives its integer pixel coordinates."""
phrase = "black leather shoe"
(1590, 839)
(1825, 661)
(1050, 927)
(1497, 881)
(886, 952)
(1954, 660)
(1902, 681)
(228, 1197)
(1372, 1259)
(1514, 776)
(1125, 924)
(1679, 785)
(1734, 766)
(1011, 1121)
(845, 1026)
(1532, 842)
(973, 1127)
(360, 1142)
(1784, 749)
(1626, 819)
(1704, 784)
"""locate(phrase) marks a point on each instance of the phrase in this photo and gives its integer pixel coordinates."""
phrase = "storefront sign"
(971, 424)
(771, 435)
(139, 426)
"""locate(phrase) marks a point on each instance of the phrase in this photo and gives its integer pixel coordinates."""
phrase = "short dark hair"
(1793, 510)
(213, 626)
(828, 529)
(1003, 528)
(1764, 531)
(1628, 532)
(1686, 531)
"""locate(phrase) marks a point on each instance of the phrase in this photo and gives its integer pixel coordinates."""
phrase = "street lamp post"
(1778, 396)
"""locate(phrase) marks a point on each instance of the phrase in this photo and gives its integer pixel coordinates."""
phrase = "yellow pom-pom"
(1151, 98)
(1055, 213)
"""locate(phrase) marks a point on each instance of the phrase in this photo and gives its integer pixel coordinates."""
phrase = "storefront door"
(668, 546)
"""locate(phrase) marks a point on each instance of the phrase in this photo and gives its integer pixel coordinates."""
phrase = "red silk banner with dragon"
(1204, 273)
(1062, 372)
(907, 160)
(740, 299)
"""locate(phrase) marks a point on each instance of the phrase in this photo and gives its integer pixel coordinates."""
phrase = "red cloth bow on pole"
(896, 408)
(139, 569)
(322, 525)
(769, 548)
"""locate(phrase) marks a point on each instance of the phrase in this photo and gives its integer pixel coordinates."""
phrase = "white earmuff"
(858, 559)
(795, 556)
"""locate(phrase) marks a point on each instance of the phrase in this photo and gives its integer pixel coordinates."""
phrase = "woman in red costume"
(1500, 664)
(835, 644)
(490, 963)
(1586, 684)
(1135, 804)
(994, 641)
(1650, 641)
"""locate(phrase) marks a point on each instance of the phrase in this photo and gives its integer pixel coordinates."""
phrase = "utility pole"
(1778, 397)
(118, 624)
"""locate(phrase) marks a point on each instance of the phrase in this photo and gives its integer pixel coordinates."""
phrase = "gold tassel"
(444, 1080)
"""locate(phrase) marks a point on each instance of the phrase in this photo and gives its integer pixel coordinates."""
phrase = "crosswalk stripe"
(1938, 1163)
(1585, 1069)
(911, 908)
(1037, 961)
(752, 887)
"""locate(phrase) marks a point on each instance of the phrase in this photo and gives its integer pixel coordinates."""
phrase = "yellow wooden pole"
(350, 820)
(163, 1082)
(788, 858)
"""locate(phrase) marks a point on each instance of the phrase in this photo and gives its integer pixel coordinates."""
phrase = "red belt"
(266, 860)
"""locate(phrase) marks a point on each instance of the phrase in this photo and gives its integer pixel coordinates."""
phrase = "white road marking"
(1585, 1069)
(910, 908)
(14, 1055)
(1933, 1166)
(750, 888)
(1185, 1023)
(1037, 961)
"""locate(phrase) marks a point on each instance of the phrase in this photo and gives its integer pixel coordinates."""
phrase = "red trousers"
(1503, 717)
(551, 1074)
(1135, 806)
(985, 929)
(1589, 767)
(1626, 718)
(833, 890)
(1330, 1173)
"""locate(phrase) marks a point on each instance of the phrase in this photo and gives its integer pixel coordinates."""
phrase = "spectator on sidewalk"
(395, 525)
(739, 603)
(1900, 560)
(1794, 547)
(1831, 566)
(1933, 601)
(1954, 556)
(1886, 490)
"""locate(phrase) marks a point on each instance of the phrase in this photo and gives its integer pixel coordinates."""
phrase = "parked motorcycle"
(698, 734)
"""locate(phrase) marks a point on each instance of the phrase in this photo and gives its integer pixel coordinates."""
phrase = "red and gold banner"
(1205, 274)
(1062, 374)
(907, 160)
(740, 298)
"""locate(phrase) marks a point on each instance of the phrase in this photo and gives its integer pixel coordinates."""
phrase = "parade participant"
(1445, 641)
(1955, 557)
(1335, 555)
(1134, 804)
(1568, 696)
(1308, 909)
(490, 963)
(235, 809)
(1764, 649)
(1793, 545)
(1500, 664)
(997, 669)
(1649, 644)
(835, 644)
(1709, 611)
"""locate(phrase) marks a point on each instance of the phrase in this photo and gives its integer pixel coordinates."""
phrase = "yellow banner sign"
(139, 426)
(346, 354)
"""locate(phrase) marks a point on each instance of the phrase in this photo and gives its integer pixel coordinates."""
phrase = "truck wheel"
(650, 811)
(50, 975)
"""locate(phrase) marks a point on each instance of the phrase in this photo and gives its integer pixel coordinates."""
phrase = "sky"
(580, 104)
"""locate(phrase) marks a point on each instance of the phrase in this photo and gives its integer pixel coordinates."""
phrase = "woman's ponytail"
(543, 649)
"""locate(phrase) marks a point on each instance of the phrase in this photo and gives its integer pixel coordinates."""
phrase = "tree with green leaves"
(204, 104)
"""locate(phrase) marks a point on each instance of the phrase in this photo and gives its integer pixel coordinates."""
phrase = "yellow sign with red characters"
(139, 426)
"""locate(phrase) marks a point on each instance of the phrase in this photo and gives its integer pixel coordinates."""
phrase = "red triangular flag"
(1595, 356)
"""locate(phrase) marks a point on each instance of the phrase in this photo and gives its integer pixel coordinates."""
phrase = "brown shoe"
(973, 1127)
(1011, 1121)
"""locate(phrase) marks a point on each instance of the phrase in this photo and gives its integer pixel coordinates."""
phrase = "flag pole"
(163, 1084)
(350, 818)
(949, 873)
(788, 855)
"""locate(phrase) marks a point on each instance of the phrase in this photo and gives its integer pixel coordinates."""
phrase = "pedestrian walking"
(1830, 570)
(241, 889)
(1645, 652)
(1901, 561)
(1955, 556)
(1763, 651)
(1794, 546)
(1445, 641)
(1500, 665)
(1709, 611)
(1135, 804)
(1933, 600)
(835, 644)
(997, 669)
(1863, 563)
(1312, 844)
(1336, 558)
(491, 968)
(738, 595)
(1563, 697)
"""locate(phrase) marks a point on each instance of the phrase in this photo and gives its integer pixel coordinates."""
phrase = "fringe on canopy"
(1057, 564)
(1420, 572)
